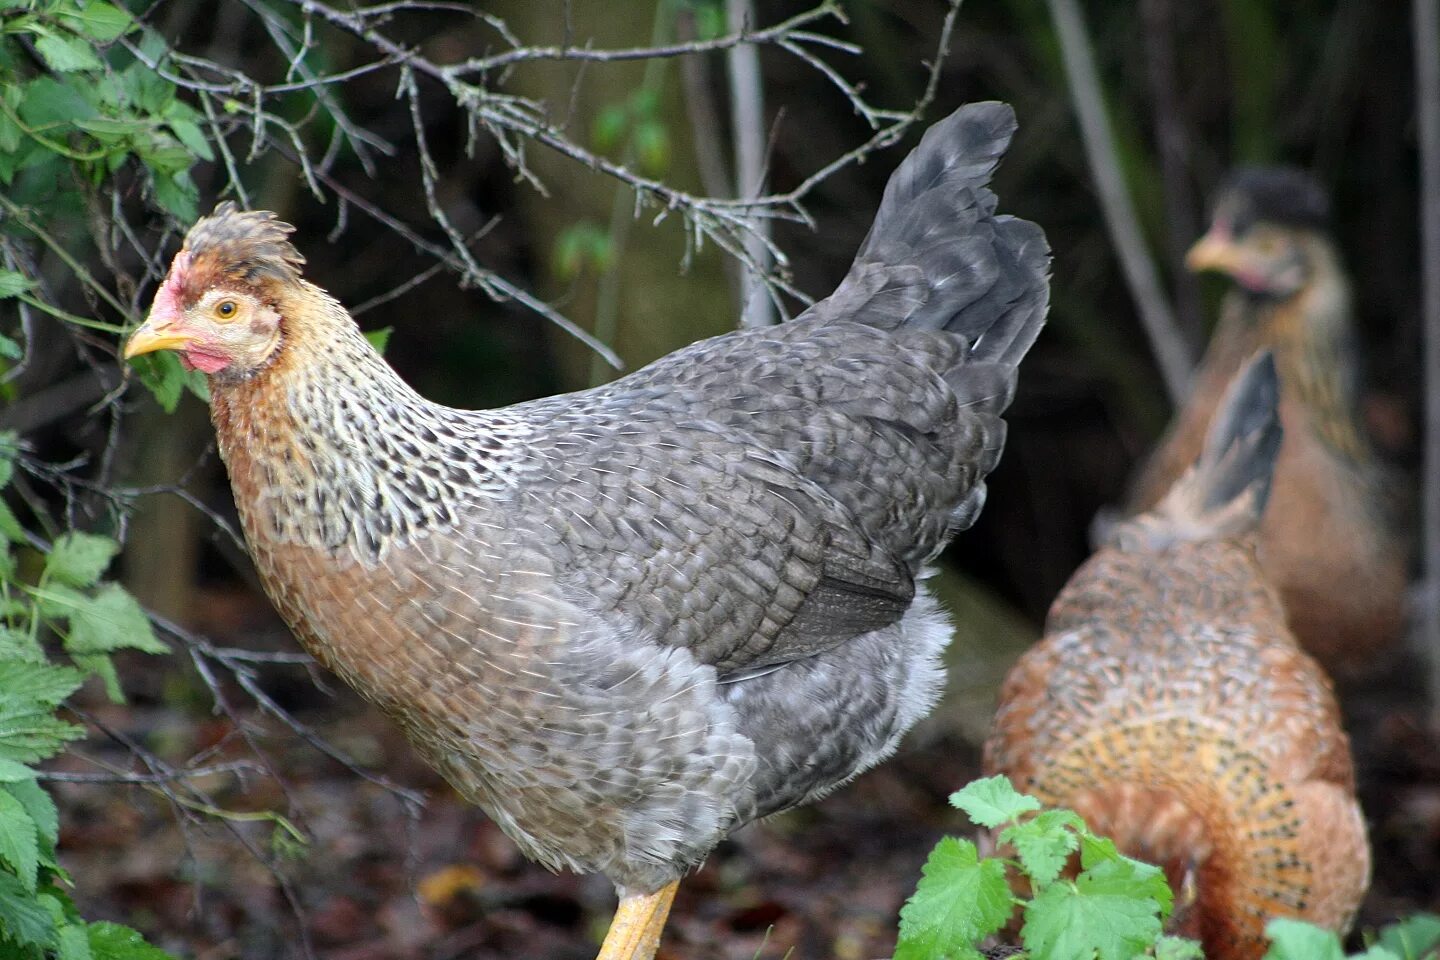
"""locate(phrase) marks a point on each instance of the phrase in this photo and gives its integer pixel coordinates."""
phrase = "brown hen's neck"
(1311, 336)
(326, 446)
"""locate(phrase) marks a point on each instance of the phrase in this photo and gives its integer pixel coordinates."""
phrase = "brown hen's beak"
(1214, 251)
(148, 339)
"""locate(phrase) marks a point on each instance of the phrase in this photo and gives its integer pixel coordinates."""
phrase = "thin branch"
(1166, 340)
(1426, 34)
(747, 125)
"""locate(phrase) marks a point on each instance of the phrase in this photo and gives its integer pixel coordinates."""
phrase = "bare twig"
(1427, 104)
(1166, 341)
(747, 125)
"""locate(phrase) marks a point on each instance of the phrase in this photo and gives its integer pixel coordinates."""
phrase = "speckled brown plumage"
(1170, 706)
(628, 620)
(1331, 539)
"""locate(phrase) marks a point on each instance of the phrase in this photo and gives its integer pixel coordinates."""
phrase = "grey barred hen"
(630, 620)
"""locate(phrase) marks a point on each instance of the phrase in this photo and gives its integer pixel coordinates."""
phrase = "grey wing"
(684, 534)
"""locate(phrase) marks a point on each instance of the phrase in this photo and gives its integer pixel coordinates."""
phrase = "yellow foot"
(635, 931)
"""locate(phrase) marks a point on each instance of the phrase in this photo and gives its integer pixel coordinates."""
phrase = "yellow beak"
(1213, 252)
(148, 339)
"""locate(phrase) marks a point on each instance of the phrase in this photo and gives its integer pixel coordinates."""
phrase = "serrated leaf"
(110, 620)
(29, 735)
(73, 943)
(1297, 940)
(98, 20)
(65, 52)
(24, 684)
(114, 941)
(80, 558)
(959, 900)
(1412, 938)
(19, 841)
(12, 772)
(379, 339)
(10, 527)
(103, 667)
(993, 801)
(1086, 920)
(1177, 948)
(1127, 877)
(23, 919)
(39, 805)
(13, 283)
(19, 645)
(175, 192)
(1044, 843)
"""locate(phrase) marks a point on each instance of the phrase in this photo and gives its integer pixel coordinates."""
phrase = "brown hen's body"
(1170, 706)
(629, 620)
(1331, 537)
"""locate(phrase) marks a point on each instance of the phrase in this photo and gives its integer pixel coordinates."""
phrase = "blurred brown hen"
(1170, 706)
(1330, 539)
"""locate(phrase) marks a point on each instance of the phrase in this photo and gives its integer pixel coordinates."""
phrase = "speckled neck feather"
(334, 449)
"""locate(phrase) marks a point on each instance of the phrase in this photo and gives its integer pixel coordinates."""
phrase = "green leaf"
(103, 667)
(1044, 843)
(1176, 948)
(19, 840)
(1088, 919)
(652, 146)
(48, 102)
(993, 801)
(79, 558)
(110, 620)
(19, 645)
(74, 943)
(1297, 940)
(959, 900)
(1133, 878)
(113, 941)
(23, 919)
(608, 127)
(98, 20)
(31, 683)
(189, 133)
(65, 52)
(10, 348)
(39, 805)
(13, 283)
(10, 527)
(163, 373)
(379, 339)
(13, 772)
(1413, 937)
(175, 192)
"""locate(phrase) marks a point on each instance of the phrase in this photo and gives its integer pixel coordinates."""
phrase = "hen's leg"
(635, 931)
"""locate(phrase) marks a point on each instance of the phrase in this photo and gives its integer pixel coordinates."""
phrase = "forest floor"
(372, 883)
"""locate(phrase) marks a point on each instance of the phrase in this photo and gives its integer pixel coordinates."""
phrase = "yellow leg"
(635, 931)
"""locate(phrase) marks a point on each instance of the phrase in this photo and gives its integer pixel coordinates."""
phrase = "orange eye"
(226, 309)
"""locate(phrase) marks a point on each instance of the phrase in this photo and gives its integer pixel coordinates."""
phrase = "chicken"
(1330, 539)
(629, 620)
(1170, 706)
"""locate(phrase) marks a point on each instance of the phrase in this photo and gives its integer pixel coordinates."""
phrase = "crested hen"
(629, 620)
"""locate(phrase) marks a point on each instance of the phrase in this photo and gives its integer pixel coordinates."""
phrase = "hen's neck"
(1311, 336)
(328, 447)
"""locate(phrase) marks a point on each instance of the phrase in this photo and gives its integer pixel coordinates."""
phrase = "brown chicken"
(630, 620)
(1330, 539)
(1170, 706)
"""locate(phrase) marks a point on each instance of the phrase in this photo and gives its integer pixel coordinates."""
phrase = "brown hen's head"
(1265, 230)
(221, 306)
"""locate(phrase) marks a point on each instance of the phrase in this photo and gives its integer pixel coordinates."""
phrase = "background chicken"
(1330, 538)
(629, 620)
(1170, 706)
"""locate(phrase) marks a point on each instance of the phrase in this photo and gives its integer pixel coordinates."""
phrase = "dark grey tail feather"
(1244, 439)
(938, 256)
(1223, 494)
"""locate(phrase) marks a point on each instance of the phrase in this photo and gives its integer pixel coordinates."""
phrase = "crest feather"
(251, 246)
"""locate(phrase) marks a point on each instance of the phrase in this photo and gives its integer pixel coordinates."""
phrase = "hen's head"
(1264, 230)
(222, 303)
